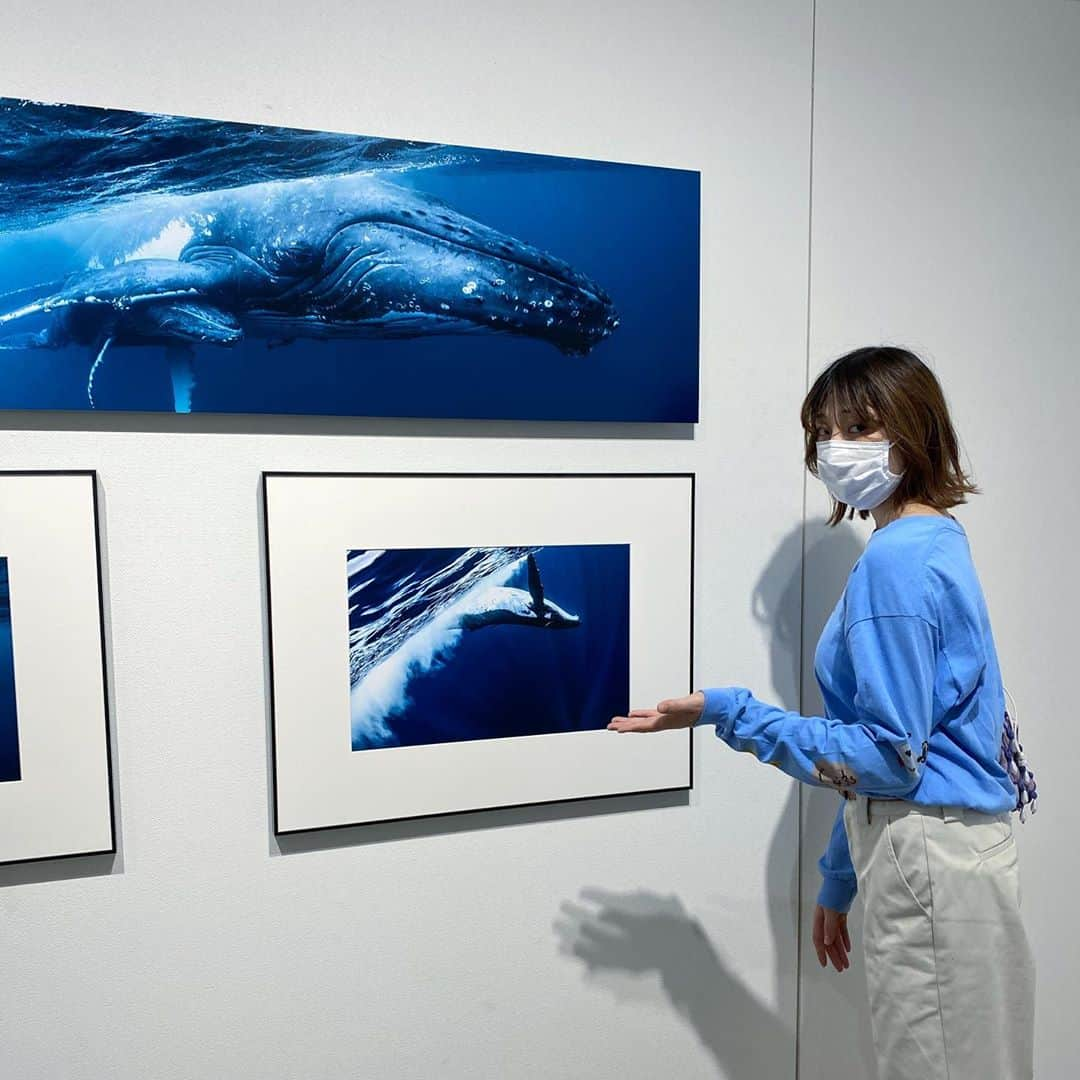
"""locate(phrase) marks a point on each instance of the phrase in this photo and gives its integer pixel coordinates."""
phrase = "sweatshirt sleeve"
(839, 883)
(894, 658)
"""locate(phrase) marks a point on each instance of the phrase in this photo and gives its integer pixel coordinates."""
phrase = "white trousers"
(948, 965)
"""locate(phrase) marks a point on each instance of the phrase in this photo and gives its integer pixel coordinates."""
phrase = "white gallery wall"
(945, 217)
(945, 172)
(454, 947)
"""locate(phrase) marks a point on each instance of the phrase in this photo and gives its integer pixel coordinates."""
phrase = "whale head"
(395, 263)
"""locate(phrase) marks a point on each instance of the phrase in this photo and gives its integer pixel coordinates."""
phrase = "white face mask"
(857, 473)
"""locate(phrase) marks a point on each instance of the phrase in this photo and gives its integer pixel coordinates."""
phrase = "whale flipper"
(536, 587)
(182, 371)
(192, 322)
(99, 359)
(122, 287)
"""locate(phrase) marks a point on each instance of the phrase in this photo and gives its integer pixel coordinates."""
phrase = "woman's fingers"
(831, 940)
(638, 720)
(838, 956)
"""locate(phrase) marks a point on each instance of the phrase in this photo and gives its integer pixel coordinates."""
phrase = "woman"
(914, 702)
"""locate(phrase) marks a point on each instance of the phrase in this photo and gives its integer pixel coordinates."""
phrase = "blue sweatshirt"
(913, 697)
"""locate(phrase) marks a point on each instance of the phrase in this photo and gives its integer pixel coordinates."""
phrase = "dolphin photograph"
(9, 728)
(450, 644)
(167, 263)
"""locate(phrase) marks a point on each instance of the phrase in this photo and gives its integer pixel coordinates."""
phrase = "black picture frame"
(112, 847)
(268, 475)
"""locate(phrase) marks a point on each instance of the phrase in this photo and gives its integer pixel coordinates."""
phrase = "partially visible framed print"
(55, 775)
(442, 642)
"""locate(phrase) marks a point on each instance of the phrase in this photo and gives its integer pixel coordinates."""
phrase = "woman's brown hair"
(892, 387)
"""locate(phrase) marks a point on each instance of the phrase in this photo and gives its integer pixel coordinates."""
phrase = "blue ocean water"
(9, 729)
(418, 676)
(84, 187)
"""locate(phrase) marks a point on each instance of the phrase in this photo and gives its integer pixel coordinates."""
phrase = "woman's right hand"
(831, 938)
(682, 712)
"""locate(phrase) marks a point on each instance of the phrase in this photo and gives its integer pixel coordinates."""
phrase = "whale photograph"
(9, 729)
(175, 264)
(452, 644)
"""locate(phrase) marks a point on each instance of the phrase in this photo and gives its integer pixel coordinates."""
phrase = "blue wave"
(61, 160)
(394, 595)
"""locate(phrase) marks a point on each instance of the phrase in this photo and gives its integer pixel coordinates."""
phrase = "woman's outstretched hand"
(671, 713)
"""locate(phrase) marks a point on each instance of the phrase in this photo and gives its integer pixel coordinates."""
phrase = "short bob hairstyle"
(892, 388)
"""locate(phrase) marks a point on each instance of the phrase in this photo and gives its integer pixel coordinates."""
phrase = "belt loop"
(867, 809)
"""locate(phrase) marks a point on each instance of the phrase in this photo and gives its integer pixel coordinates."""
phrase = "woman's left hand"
(671, 713)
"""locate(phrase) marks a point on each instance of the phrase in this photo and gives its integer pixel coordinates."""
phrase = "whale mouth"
(428, 270)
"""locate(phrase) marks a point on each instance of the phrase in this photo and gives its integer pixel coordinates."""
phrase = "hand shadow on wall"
(628, 937)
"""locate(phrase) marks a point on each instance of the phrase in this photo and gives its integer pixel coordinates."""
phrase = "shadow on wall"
(624, 937)
(781, 601)
(834, 1018)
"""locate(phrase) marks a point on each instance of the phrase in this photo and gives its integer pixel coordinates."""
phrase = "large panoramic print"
(165, 263)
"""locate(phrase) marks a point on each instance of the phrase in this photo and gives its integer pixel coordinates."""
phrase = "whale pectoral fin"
(99, 359)
(182, 324)
(123, 287)
(536, 586)
(192, 322)
(182, 371)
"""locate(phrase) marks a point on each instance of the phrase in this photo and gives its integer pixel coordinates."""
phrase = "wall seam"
(802, 554)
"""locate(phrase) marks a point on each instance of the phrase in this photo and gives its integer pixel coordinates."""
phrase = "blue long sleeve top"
(912, 690)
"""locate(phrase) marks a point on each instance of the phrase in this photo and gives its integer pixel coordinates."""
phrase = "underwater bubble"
(469, 288)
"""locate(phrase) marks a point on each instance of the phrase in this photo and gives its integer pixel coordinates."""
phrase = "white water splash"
(384, 691)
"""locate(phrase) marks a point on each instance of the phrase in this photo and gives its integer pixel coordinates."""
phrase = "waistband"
(867, 808)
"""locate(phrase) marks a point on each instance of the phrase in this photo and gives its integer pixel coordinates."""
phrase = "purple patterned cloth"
(1016, 765)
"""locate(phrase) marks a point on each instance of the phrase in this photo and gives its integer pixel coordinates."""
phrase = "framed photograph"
(442, 642)
(175, 264)
(55, 774)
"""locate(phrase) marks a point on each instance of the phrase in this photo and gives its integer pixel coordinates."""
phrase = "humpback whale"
(502, 605)
(347, 256)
